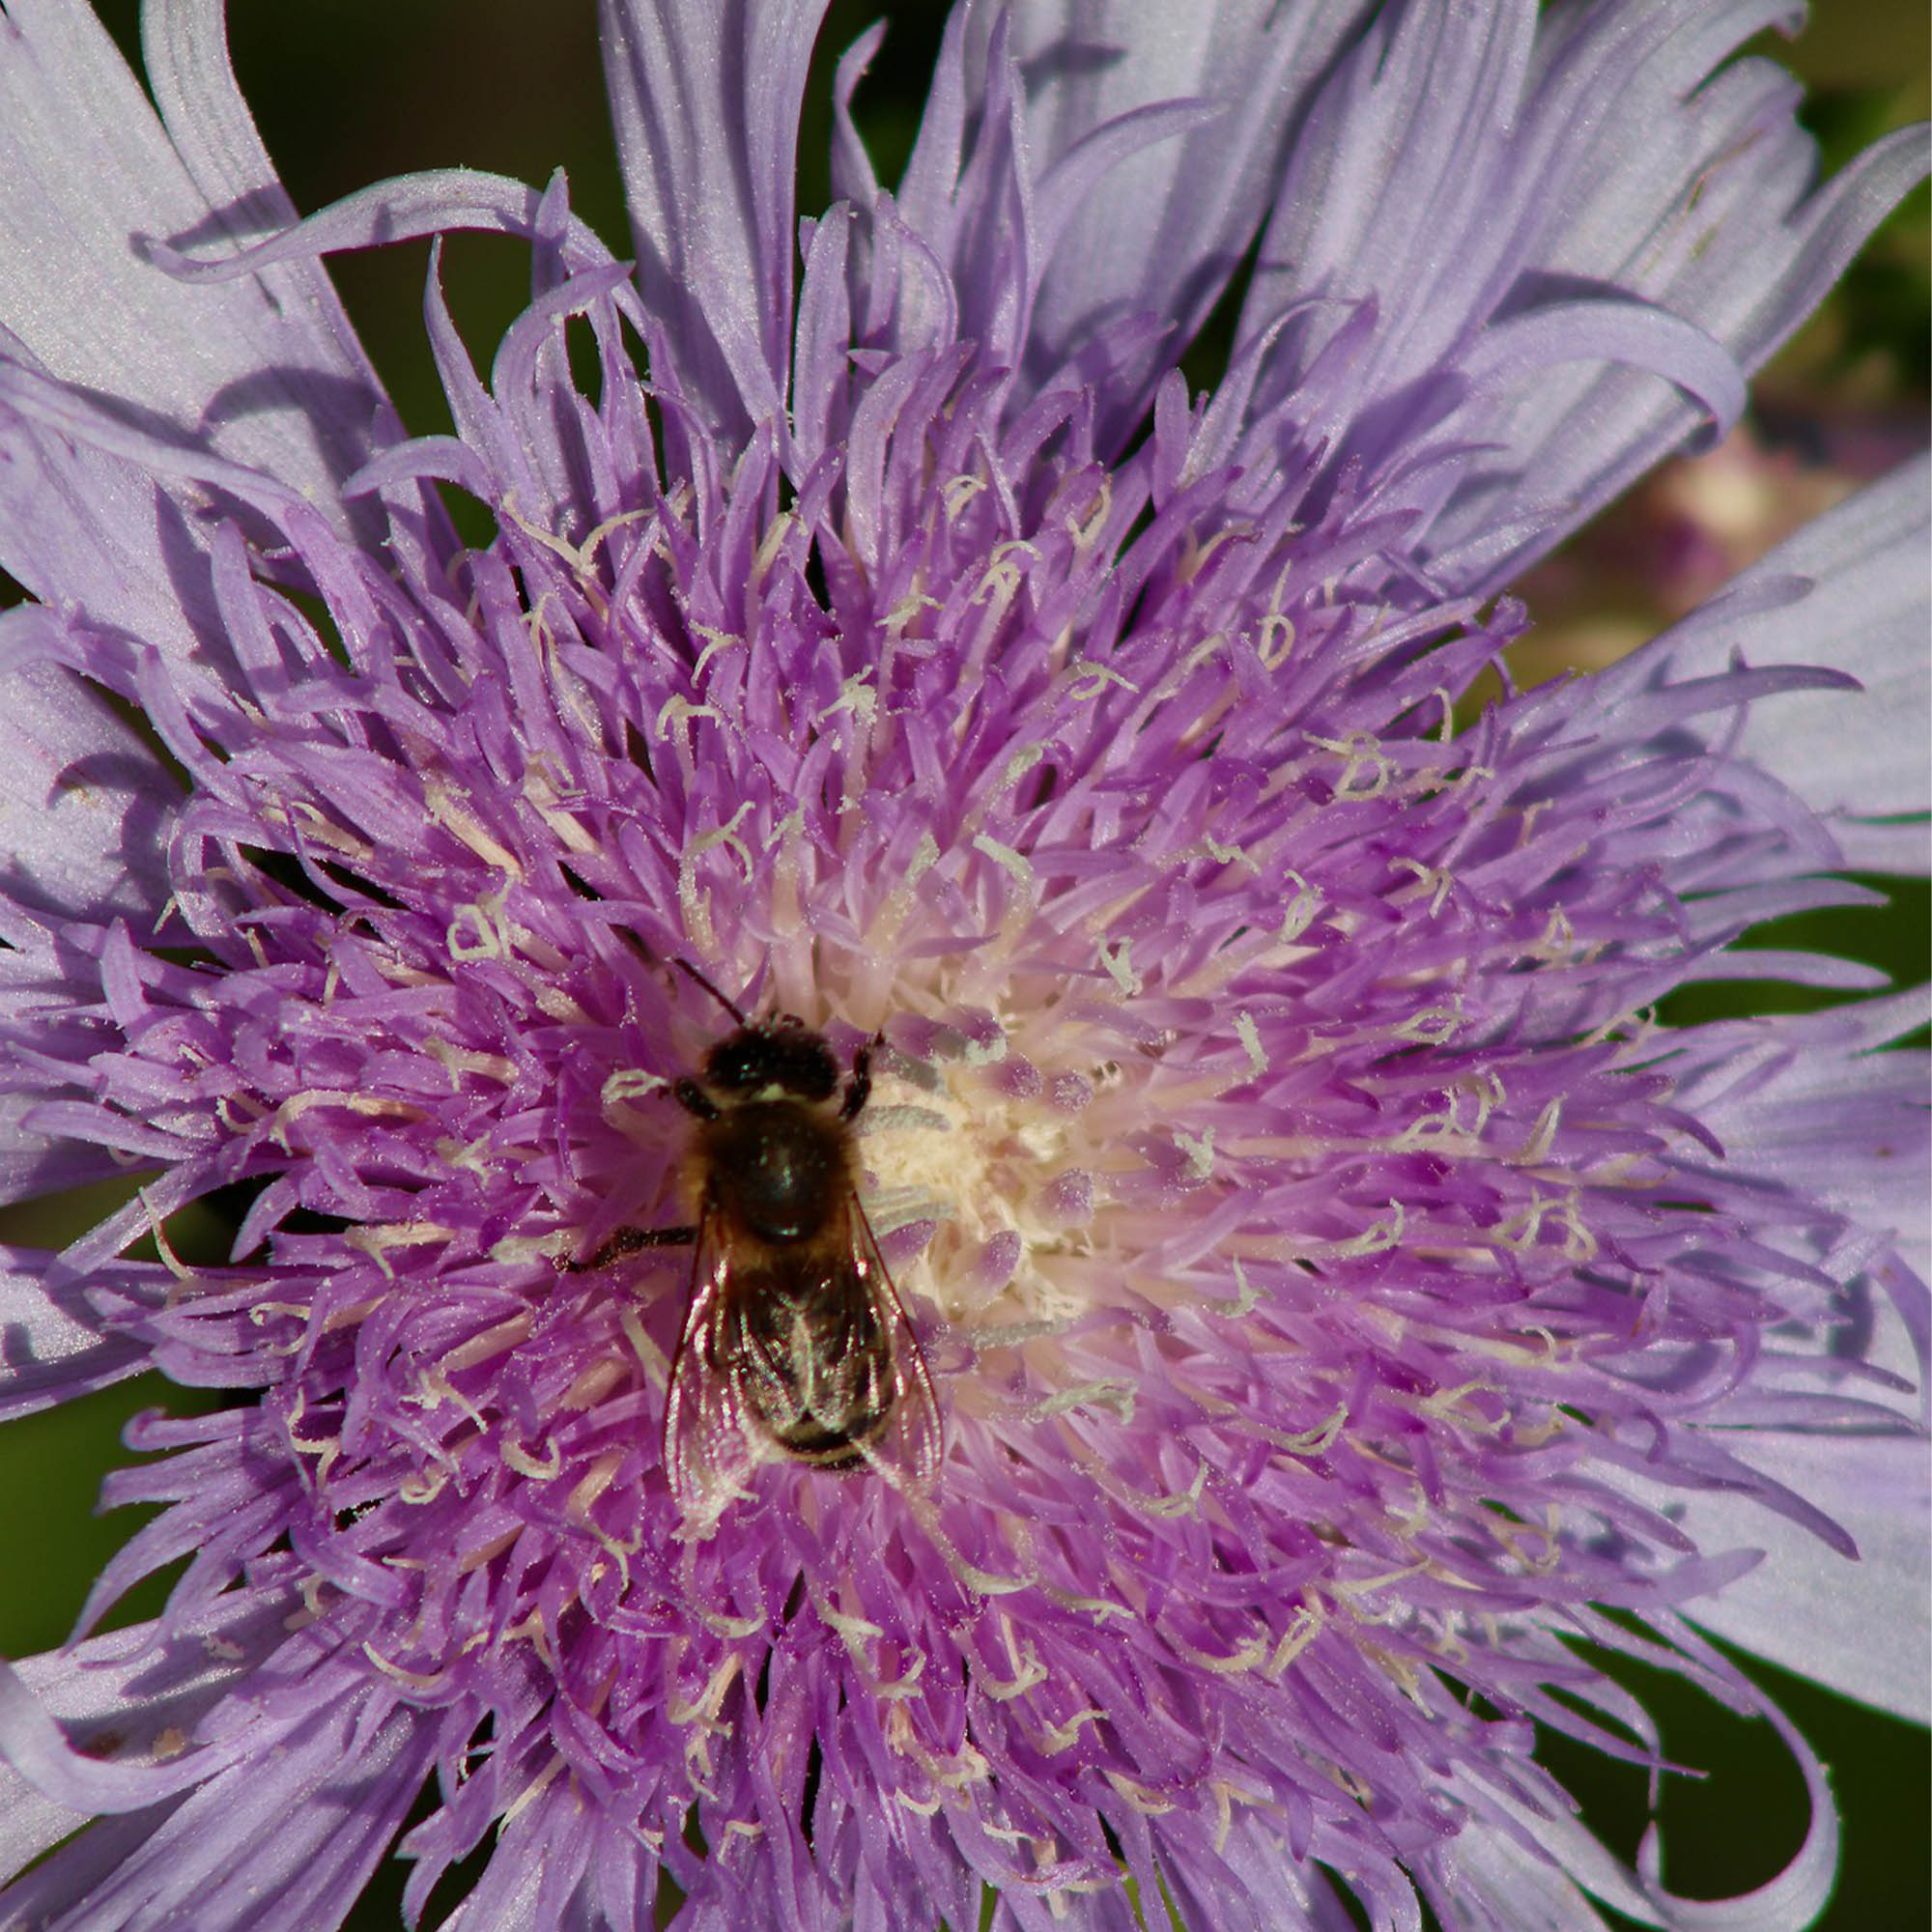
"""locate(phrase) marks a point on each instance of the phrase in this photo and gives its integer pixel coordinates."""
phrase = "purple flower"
(1350, 1313)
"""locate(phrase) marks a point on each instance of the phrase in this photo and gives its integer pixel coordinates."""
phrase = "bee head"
(782, 1053)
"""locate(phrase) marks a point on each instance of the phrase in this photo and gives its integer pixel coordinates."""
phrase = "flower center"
(981, 1172)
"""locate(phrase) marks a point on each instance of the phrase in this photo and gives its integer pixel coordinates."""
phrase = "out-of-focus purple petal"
(705, 97)
(1859, 598)
(267, 372)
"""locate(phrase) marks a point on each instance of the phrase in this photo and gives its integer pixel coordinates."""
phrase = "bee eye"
(783, 1052)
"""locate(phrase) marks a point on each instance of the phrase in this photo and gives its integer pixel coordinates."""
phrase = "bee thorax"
(777, 1169)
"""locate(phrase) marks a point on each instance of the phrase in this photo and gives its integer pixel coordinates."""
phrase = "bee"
(794, 1343)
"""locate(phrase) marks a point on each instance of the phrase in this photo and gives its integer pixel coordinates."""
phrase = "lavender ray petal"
(1629, 333)
(152, 1681)
(536, 1878)
(1454, 179)
(33, 1743)
(109, 539)
(1488, 1881)
(90, 1858)
(967, 194)
(33, 1164)
(436, 201)
(107, 1725)
(267, 371)
(31, 1824)
(1711, 210)
(54, 1342)
(1808, 1102)
(1165, 228)
(1386, 201)
(824, 335)
(853, 179)
(1865, 1628)
(705, 100)
(1859, 582)
(1786, 1903)
(83, 803)
(280, 1844)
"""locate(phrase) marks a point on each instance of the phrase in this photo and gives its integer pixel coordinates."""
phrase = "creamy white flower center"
(998, 1157)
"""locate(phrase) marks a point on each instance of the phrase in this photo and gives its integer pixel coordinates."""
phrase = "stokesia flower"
(1352, 1314)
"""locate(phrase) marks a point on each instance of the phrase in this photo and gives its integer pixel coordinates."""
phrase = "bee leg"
(631, 1241)
(859, 1088)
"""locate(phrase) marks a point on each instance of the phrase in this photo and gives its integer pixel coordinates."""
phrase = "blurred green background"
(350, 91)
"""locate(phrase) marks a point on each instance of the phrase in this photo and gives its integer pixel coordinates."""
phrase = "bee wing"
(742, 1391)
(913, 1439)
(709, 1443)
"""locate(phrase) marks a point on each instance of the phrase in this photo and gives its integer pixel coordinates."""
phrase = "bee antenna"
(691, 972)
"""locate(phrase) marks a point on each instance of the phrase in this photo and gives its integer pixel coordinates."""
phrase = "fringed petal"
(705, 96)
(1856, 596)
(1470, 177)
(1487, 1880)
(1321, 1291)
(266, 371)
(1162, 230)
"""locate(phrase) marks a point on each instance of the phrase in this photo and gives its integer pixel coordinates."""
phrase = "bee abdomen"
(830, 1448)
